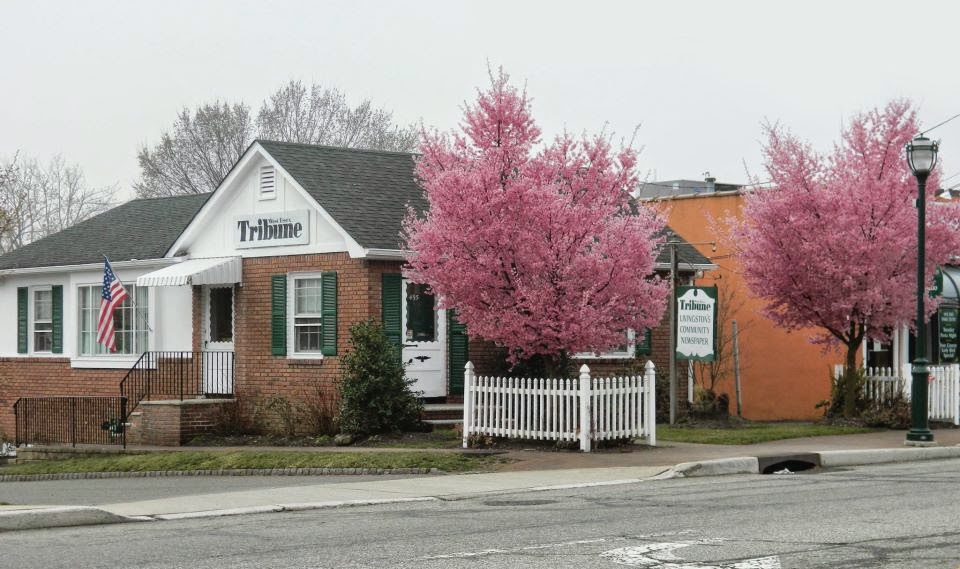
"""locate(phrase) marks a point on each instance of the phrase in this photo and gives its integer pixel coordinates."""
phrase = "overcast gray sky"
(96, 80)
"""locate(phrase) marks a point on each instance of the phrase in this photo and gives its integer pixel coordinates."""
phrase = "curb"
(220, 472)
(57, 516)
(287, 508)
(717, 467)
(886, 455)
(827, 459)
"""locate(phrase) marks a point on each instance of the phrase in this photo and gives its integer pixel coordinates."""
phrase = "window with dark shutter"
(278, 315)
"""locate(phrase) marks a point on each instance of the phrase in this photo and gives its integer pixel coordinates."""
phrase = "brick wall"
(43, 377)
(173, 423)
(260, 376)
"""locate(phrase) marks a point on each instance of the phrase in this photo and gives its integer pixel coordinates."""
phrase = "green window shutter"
(391, 295)
(328, 310)
(57, 318)
(459, 352)
(22, 320)
(278, 315)
(644, 344)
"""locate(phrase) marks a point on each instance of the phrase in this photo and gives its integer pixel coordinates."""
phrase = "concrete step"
(443, 422)
(451, 413)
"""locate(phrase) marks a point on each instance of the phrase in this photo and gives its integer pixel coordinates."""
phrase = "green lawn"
(438, 438)
(751, 433)
(213, 460)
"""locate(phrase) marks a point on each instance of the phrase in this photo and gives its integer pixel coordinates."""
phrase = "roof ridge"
(336, 148)
(167, 197)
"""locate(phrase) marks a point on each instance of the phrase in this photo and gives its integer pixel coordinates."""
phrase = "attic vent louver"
(268, 182)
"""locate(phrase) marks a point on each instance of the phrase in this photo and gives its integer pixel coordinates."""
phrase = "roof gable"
(366, 191)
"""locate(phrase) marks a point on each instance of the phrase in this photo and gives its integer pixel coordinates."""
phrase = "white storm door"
(424, 331)
(217, 340)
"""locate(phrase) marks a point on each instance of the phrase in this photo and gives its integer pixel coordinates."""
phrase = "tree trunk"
(850, 383)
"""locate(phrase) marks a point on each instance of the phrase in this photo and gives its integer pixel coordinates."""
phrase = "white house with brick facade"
(246, 293)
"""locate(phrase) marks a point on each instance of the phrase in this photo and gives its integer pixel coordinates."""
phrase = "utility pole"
(672, 243)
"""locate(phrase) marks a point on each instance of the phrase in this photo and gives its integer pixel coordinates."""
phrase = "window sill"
(305, 362)
(105, 362)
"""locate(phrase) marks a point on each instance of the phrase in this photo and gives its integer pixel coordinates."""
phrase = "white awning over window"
(209, 271)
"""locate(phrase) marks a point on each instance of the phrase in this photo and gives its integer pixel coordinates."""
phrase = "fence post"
(650, 413)
(73, 422)
(585, 419)
(955, 387)
(468, 377)
(123, 421)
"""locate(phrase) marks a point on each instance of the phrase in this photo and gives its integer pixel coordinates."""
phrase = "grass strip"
(752, 433)
(438, 438)
(232, 460)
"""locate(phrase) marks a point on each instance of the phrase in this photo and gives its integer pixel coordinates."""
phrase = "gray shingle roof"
(138, 229)
(686, 253)
(366, 191)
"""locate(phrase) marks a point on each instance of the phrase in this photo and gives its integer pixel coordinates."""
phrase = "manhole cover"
(518, 502)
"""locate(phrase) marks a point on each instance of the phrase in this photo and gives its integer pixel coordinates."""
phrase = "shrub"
(375, 394)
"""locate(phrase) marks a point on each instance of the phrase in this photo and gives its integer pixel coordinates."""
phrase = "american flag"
(112, 295)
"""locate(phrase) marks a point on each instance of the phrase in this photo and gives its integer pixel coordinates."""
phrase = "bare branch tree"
(198, 153)
(322, 115)
(38, 200)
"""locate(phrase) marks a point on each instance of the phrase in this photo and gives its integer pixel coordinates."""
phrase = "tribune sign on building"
(272, 229)
(696, 323)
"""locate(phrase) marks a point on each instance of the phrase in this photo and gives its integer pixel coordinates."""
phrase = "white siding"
(170, 315)
(242, 197)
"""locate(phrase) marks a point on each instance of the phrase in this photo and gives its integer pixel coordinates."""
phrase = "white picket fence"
(943, 391)
(585, 409)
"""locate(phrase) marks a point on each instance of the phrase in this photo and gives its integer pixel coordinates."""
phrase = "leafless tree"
(38, 200)
(198, 153)
(203, 145)
(322, 115)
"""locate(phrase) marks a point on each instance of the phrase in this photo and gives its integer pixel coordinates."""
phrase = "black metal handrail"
(178, 375)
(74, 420)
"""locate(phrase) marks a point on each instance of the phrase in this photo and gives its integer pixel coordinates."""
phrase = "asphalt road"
(882, 516)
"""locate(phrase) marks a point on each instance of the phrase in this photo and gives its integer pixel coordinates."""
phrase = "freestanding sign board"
(948, 334)
(696, 323)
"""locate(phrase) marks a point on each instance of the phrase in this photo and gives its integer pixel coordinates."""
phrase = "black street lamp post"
(922, 157)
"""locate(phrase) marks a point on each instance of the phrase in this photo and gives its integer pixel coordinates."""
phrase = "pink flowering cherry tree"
(833, 244)
(538, 248)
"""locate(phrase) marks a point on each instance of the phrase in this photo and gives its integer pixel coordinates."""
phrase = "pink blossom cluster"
(834, 244)
(538, 248)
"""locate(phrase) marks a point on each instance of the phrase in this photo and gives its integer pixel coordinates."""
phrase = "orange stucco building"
(783, 375)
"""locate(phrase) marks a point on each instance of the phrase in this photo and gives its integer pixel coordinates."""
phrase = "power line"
(926, 130)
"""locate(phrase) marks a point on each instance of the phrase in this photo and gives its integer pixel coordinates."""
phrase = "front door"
(218, 340)
(424, 331)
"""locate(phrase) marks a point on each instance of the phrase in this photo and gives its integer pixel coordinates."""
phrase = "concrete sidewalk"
(531, 471)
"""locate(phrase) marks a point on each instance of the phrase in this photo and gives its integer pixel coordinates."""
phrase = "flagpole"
(133, 303)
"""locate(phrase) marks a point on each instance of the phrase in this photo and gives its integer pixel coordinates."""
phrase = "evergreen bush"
(375, 394)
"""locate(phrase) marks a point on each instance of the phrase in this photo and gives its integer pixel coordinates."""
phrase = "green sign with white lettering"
(697, 323)
(948, 334)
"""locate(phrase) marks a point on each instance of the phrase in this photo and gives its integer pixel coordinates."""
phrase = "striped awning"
(209, 271)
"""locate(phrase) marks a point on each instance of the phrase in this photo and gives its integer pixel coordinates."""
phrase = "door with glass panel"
(218, 340)
(424, 339)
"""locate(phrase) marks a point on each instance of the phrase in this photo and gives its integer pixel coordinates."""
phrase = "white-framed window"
(268, 182)
(625, 350)
(306, 323)
(42, 319)
(129, 322)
